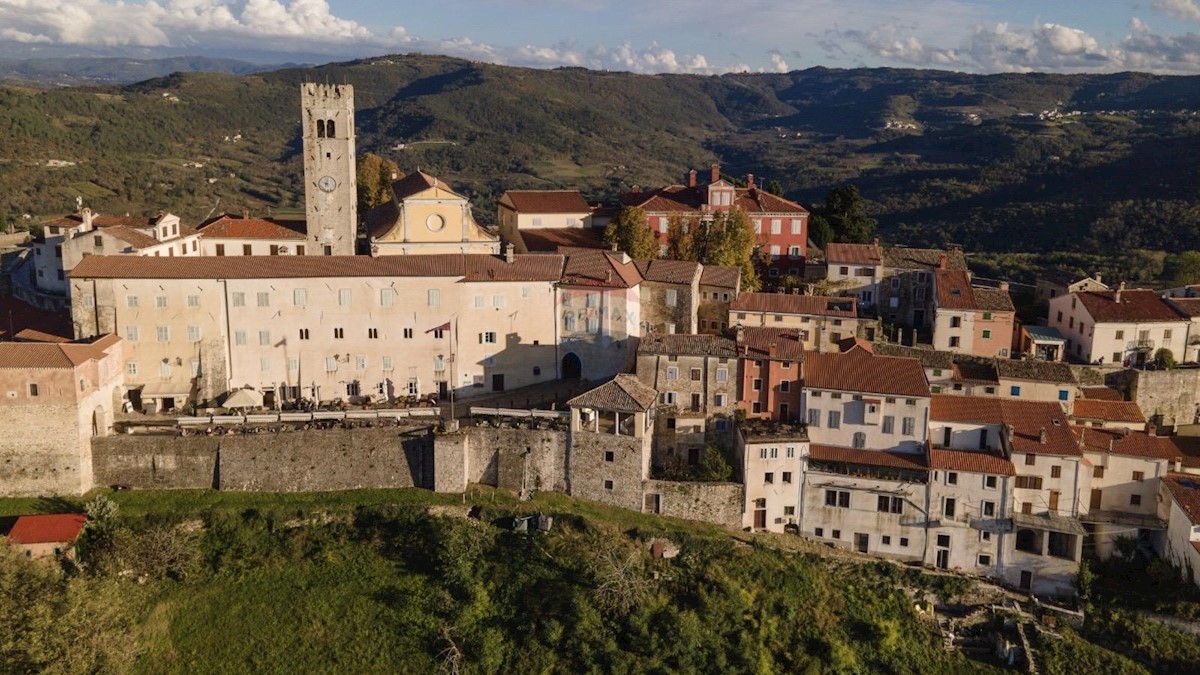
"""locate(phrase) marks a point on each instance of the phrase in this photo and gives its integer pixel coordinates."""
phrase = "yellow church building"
(425, 216)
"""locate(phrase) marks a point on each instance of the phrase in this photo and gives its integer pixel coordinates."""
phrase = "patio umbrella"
(244, 398)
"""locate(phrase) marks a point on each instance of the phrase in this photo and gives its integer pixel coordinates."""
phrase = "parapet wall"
(719, 503)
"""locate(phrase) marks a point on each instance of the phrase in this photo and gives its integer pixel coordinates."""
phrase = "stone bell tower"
(330, 188)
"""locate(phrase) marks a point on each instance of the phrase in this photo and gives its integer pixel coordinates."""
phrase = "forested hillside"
(941, 157)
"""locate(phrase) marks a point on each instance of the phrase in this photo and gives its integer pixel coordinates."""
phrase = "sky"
(694, 36)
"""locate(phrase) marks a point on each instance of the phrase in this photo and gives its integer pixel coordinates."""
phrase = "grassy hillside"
(966, 158)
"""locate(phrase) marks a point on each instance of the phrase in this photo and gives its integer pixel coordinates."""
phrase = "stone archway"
(572, 367)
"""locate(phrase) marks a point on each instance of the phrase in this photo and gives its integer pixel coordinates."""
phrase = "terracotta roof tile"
(669, 271)
(993, 300)
(1101, 393)
(756, 343)
(1028, 418)
(970, 461)
(416, 182)
(790, 303)
(689, 345)
(1136, 305)
(47, 355)
(1185, 490)
(722, 277)
(473, 267)
(1188, 306)
(601, 269)
(899, 460)
(1128, 443)
(954, 289)
(624, 393)
(682, 199)
(551, 239)
(859, 370)
(853, 254)
(47, 529)
(1108, 411)
(234, 227)
(966, 409)
(973, 369)
(31, 324)
(546, 201)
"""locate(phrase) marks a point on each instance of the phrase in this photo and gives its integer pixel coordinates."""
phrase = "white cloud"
(1049, 47)
(778, 65)
(1183, 9)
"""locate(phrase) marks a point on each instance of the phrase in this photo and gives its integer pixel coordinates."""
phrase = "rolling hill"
(1007, 162)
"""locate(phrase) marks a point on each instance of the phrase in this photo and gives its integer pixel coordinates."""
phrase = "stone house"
(696, 377)
(858, 399)
(1125, 326)
(772, 468)
(669, 295)
(971, 320)
(971, 498)
(1036, 381)
(58, 397)
(907, 296)
(50, 536)
(719, 286)
(771, 360)
(542, 212)
(822, 322)
(599, 314)
(612, 428)
(870, 501)
(1093, 412)
(229, 235)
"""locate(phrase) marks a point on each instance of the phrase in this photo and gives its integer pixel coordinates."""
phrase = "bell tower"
(330, 188)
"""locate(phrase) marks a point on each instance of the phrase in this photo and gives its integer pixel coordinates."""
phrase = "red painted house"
(781, 225)
(771, 360)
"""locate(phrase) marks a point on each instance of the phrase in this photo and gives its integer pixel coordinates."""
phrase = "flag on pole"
(445, 326)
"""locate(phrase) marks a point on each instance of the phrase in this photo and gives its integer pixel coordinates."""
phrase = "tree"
(775, 188)
(819, 230)
(1164, 359)
(375, 176)
(1184, 268)
(630, 233)
(846, 211)
(726, 240)
(714, 466)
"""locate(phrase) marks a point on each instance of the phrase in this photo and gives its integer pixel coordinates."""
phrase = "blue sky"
(704, 36)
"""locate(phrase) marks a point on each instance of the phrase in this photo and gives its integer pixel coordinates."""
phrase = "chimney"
(636, 189)
(942, 259)
(1152, 429)
(1042, 436)
(245, 214)
(716, 173)
(1111, 443)
(508, 253)
(1117, 295)
(1004, 286)
(740, 332)
(750, 181)
(691, 178)
(772, 350)
(1098, 278)
(1125, 431)
(1010, 429)
(876, 242)
(87, 218)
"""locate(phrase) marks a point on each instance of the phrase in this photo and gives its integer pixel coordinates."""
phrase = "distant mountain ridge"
(1011, 162)
(60, 71)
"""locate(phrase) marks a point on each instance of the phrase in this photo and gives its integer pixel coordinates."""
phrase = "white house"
(1125, 326)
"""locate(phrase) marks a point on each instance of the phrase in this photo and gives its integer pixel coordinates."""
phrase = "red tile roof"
(789, 303)
(722, 277)
(1101, 393)
(546, 201)
(1188, 306)
(688, 345)
(416, 182)
(624, 393)
(755, 343)
(899, 460)
(853, 254)
(601, 269)
(473, 267)
(1135, 305)
(971, 461)
(903, 257)
(1130, 444)
(1185, 490)
(47, 529)
(669, 271)
(47, 355)
(966, 409)
(551, 239)
(234, 227)
(858, 370)
(954, 291)
(681, 199)
(1108, 411)
(1029, 418)
(103, 220)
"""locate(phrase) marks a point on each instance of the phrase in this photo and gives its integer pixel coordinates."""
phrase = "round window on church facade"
(435, 222)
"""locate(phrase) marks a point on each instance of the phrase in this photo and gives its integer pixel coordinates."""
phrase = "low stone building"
(696, 377)
(56, 398)
(719, 286)
(612, 428)
(670, 295)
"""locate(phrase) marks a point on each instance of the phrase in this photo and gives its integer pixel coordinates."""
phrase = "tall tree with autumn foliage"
(630, 233)
(375, 176)
(727, 239)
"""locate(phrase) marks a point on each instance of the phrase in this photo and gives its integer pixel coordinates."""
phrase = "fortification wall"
(156, 461)
(719, 503)
(514, 459)
(1174, 394)
(43, 452)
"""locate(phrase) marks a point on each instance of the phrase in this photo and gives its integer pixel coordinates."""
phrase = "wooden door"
(1026, 580)
(760, 519)
(1054, 501)
(861, 542)
(1094, 504)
